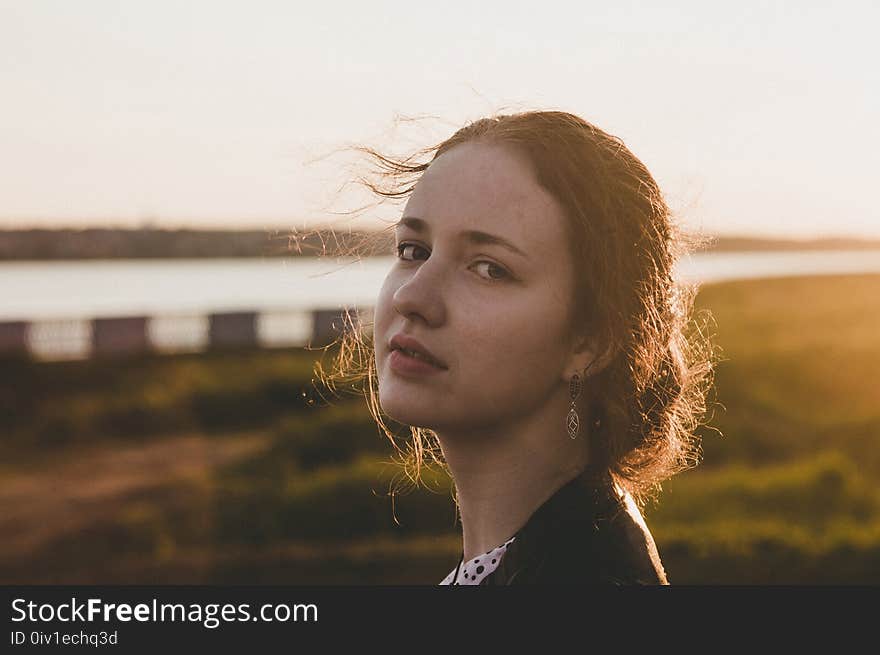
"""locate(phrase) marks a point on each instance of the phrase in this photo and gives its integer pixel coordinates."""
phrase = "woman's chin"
(408, 413)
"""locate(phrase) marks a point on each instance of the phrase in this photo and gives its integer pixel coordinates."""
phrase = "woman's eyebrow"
(474, 236)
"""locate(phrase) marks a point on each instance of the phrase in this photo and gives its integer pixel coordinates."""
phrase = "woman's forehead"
(487, 187)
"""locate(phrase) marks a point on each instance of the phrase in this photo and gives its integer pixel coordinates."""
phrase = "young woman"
(532, 330)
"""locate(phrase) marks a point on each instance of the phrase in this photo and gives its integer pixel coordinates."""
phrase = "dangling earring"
(573, 421)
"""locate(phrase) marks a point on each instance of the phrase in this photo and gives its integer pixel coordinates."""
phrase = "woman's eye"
(494, 272)
(406, 247)
(500, 273)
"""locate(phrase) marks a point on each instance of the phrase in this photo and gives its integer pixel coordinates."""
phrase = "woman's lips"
(406, 365)
(409, 343)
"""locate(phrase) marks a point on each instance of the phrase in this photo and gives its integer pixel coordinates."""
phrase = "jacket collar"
(577, 504)
(574, 524)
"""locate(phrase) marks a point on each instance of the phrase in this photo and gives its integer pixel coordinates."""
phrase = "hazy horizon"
(232, 226)
(758, 121)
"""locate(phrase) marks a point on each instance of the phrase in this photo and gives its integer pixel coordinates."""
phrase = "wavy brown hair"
(651, 397)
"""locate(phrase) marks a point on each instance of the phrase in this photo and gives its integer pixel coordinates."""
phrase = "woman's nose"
(421, 294)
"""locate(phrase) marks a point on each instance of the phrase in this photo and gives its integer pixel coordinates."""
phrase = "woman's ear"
(590, 357)
(601, 361)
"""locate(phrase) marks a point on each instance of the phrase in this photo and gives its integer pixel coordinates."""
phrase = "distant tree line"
(730, 244)
(122, 243)
(119, 243)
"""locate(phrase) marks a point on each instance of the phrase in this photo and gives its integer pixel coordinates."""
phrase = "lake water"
(34, 291)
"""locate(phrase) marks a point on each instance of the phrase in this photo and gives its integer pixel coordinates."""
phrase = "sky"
(756, 118)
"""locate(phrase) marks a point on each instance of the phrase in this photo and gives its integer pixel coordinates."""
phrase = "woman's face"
(483, 281)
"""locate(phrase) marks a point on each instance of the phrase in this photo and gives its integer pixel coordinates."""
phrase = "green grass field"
(224, 468)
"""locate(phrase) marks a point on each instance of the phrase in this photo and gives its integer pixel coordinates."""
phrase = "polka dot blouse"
(473, 571)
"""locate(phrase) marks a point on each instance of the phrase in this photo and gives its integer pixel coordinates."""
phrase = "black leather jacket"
(586, 533)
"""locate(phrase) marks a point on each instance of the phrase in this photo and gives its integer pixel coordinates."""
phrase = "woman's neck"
(503, 476)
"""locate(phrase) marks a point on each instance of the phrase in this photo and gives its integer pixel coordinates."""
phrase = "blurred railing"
(70, 339)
